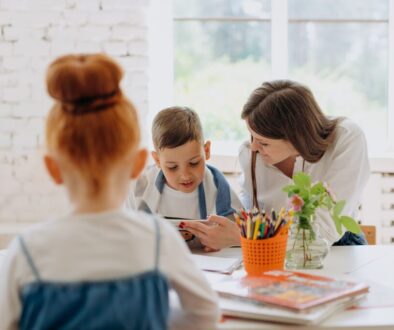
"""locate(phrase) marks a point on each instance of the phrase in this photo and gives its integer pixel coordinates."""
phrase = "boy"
(181, 185)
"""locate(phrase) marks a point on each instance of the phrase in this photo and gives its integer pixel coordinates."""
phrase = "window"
(340, 49)
(223, 49)
(222, 52)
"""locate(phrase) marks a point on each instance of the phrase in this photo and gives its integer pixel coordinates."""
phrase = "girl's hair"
(91, 122)
(175, 126)
(284, 109)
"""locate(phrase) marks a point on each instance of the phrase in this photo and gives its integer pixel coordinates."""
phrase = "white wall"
(32, 34)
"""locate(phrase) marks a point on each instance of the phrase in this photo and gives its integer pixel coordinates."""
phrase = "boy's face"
(183, 166)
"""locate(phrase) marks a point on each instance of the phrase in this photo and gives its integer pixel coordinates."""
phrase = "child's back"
(106, 271)
(99, 267)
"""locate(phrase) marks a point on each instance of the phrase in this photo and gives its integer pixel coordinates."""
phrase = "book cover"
(293, 290)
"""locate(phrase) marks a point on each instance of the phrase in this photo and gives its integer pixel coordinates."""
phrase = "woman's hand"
(215, 233)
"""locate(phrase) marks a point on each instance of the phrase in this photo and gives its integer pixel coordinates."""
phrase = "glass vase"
(306, 249)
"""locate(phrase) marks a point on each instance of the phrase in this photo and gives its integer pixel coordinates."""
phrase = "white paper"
(216, 264)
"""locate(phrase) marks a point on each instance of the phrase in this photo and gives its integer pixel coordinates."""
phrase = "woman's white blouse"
(344, 166)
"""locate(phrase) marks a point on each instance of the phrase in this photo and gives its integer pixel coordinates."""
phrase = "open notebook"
(216, 264)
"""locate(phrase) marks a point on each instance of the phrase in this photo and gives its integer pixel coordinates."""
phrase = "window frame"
(162, 34)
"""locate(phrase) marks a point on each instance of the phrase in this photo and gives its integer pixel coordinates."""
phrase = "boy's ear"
(207, 149)
(139, 163)
(156, 158)
(53, 169)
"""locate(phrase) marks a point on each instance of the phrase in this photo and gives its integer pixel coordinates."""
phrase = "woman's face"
(273, 151)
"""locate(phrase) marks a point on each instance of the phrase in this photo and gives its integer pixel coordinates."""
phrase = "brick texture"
(32, 34)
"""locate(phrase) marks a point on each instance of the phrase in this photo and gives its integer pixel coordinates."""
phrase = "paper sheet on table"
(216, 264)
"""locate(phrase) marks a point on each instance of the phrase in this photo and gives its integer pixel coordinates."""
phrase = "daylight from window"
(339, 48)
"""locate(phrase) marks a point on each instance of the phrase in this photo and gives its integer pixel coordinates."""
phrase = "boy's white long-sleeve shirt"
(109, 245)
(344, 166)
(143, 191)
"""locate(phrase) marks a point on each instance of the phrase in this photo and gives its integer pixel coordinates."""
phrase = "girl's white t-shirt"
(174, 203)
(101, 246)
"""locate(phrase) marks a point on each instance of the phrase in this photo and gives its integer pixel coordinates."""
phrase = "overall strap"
(144, 207)
(157, 247)
(202, 204)
(160, 181)
(29, 258)
(223, 197)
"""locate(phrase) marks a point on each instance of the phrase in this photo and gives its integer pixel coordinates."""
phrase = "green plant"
(306, 197)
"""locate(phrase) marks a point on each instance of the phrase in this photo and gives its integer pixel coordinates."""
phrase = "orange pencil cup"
(264, 254)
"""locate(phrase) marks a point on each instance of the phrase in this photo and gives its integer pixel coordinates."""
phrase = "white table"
(371, 264)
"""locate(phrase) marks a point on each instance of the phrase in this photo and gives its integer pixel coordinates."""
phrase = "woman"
(290, 133)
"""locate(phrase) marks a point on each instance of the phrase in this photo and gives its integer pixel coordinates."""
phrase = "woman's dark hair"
(284, 109)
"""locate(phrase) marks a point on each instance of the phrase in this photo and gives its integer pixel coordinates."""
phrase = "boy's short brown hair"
(175, 126)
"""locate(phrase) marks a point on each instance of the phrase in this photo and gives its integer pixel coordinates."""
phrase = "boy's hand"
(216, 233)
(208, 249)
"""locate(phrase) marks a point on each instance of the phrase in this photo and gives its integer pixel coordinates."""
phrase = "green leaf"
(318, 189)
(338, 224)
(302, 180)
(296, 190)
(304, 195)
(288, 188)
(350, 224)
(315, 200)
(308, 211)
(338, 207)
(316, 197)
(328, 202)
(304, 222)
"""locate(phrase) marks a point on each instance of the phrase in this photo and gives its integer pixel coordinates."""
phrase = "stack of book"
(287, 296)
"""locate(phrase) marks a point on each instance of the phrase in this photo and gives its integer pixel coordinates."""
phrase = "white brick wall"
(32, 34)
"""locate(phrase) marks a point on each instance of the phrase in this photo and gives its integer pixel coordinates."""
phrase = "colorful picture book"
(291, 290)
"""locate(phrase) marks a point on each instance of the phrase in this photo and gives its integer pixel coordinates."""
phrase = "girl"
(289, 134)
(99, 267)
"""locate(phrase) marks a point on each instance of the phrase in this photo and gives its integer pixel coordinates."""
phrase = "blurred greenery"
(218, 64)
(218, 91)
